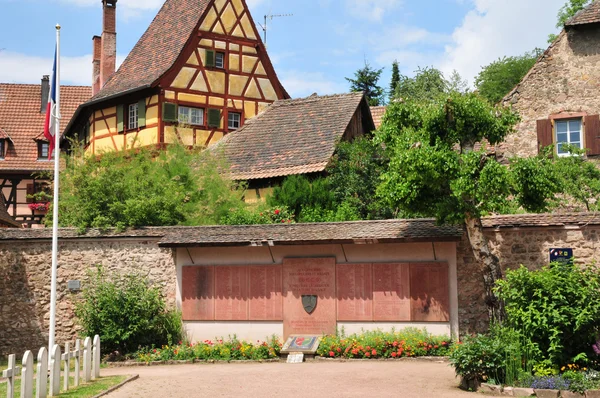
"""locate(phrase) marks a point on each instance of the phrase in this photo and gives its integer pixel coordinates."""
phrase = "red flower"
(374, 352)
(395, 343)
(339, 349)
(430, 346)
(277, 211)
(283, 221)
(367, 354)
(331, 354)
(394, 355)
(354, 351)
(435, 346)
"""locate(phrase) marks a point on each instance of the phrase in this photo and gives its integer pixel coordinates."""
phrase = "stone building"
(559, 99)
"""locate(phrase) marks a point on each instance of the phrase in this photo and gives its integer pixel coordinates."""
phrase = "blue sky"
(313, 50)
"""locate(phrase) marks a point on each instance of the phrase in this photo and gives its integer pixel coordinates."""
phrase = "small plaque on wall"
(563, 256)
(74, 285)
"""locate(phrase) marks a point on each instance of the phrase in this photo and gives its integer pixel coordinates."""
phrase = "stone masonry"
(566, 78)
(25, 283)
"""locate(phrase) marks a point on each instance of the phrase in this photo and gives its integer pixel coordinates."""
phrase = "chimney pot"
(45, 93)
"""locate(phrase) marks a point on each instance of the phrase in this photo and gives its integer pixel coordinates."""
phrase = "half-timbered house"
(198, 72)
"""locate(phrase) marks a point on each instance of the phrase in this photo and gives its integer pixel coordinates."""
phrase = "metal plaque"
(309, 302)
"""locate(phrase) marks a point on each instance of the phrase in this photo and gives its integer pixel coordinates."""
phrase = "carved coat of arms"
(309, 302)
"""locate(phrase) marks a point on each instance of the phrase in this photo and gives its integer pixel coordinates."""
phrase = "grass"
(84, 390)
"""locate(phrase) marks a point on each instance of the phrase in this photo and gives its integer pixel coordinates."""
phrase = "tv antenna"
(271, 16)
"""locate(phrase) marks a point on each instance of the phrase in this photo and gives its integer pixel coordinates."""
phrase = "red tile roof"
(22, 121)
(590, 14)
(377, 112)
(296, 136)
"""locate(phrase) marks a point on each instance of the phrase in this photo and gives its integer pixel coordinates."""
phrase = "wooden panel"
(354, 292)
(265, 299)
(592, 134)
(544, 133)
(430, 296)
(231, 291)
(391, 292)
(197, 293)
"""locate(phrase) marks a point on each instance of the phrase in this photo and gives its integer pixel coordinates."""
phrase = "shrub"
(126, 312)
(261, 215)
(557, 308)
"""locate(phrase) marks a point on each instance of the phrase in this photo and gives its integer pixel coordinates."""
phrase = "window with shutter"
(141, 113)
(592, 134)
(544, 133)
(210, 58)
(567, 132)
(169, 112)
(120, 125)
(214, 118)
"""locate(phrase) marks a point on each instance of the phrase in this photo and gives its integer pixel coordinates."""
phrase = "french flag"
(50, 123)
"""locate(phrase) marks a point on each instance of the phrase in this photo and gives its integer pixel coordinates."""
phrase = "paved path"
(406, 379)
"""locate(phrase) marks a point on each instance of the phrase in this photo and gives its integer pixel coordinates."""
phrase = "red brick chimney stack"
(97, 45)
(108, 54)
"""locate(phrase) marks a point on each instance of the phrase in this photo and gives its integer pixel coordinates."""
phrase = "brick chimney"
(97, 54)
(45, 93)
(108, 52)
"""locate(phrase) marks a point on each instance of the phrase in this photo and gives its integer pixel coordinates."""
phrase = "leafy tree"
(427, 84)
(365, 81)
(434, 170)
(298, 192)
(500, 77)
(570, 8)
(145, 188)
(457, 83)
(395, 79)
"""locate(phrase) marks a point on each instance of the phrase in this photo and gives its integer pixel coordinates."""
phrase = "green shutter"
(210, 58)
(214, 118)
(169, 112)
(119, 118)
(142, 113)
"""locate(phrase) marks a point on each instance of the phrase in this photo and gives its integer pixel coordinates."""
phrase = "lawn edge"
(113, 388)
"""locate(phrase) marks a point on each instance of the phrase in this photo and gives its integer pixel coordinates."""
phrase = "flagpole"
(55, 203)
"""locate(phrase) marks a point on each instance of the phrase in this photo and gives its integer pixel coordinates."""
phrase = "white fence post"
(65, 358)
(96, 356)
(87, 359)
(77, 356)
(27, 376)
(10, 373)
(41, 384)
(55, 371)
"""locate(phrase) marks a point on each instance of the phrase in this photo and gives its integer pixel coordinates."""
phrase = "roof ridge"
(39, 85)
(314, 98)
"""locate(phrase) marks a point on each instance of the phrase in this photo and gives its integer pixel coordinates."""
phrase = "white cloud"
(21, 68)
(494, 29)
(373, 10)
(302, 84)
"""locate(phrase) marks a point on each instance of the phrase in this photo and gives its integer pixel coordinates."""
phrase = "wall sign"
(563, 256)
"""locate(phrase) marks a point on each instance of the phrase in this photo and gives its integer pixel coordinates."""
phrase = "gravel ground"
(408, 379)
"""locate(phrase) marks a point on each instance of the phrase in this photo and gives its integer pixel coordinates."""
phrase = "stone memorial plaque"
(295, 357)
(309, 296)
(391, 292)
(231, 293)
(74, 285)
(354, 292)
(197, 293)
(430, 296)
(305, 344)
(265, 298)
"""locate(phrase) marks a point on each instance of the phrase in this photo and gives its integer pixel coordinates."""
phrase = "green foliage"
(145, 188)
(298, 191)
(260, 215)
(500, 77)
(579, 178)
(570, 8)
(224, 350)
(456, 83)
(126, 312)
(395, 79)
(427, 85)
(557, 308)
(408, 342)
(365, 81)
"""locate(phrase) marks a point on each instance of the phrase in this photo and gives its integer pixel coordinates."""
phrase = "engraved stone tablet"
(197, 293)
(430, 295)
(391, 292)
(265, 299)
(74, 285)
(231, 293)
(354, 292)
(295, 357)
(309, 277)
(306, 344)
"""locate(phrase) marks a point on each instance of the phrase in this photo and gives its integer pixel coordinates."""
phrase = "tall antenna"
(271, 16)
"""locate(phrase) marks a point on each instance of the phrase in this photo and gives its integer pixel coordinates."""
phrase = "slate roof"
(377, 113)
(542, 220)
(5, 219)
(590, 14)
(22, 122)
(295, 136)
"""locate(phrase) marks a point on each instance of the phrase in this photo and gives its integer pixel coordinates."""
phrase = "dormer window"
(43, 150)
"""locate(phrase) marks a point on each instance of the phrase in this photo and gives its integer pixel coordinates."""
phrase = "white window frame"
(229, 121)
(41, 154)
(568, 123)
(219, 60)
(185, 115)
(132, 116)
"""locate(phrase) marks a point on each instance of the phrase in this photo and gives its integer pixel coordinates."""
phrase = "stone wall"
(565, 79)
(516, 246)
(25, 273)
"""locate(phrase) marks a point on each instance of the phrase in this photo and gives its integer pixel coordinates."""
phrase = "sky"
(313, 51)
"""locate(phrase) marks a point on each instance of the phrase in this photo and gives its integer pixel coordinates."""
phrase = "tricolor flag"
(51, 111)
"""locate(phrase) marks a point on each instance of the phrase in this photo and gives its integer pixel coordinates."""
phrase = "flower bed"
(219, 350)
(377, 344)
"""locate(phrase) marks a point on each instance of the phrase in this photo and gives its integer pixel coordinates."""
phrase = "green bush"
(126, 312)
(260, 215)
(556, 307)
